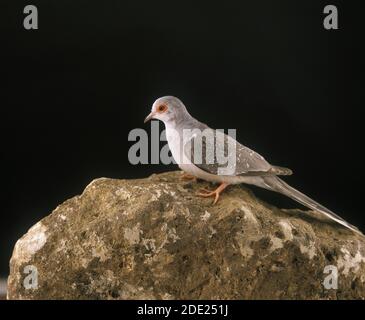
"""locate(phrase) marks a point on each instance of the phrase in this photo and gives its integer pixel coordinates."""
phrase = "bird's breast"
(175, 142)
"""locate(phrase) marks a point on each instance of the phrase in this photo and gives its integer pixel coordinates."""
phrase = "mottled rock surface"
(154, 239)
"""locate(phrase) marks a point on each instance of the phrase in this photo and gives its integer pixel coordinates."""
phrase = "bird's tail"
(276, 184)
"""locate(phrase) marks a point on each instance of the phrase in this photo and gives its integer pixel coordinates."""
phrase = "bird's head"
(167, 109)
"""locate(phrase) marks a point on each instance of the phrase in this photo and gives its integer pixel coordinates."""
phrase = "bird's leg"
(186, 176)
(207, 193)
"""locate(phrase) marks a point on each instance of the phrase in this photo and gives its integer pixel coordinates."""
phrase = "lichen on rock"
(154, 239)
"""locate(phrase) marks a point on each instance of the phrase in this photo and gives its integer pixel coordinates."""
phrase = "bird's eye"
(161, 108)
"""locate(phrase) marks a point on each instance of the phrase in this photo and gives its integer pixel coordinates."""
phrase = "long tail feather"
(276, 184)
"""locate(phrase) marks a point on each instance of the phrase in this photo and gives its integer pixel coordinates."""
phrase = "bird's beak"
(149, 117)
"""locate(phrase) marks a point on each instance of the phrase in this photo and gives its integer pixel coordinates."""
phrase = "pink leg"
(186, 176)
(207, 193)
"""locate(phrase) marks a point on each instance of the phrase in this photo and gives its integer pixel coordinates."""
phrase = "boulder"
(154, 238)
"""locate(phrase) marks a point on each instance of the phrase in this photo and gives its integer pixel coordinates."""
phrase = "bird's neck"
(181, 123)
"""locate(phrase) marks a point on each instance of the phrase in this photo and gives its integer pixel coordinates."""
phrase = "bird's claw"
(205, 193)
(188, 177)
(209, 194)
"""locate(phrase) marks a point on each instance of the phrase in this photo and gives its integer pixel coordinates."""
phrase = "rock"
(154, 239)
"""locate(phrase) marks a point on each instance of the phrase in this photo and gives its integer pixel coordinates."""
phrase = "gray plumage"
(248, 162)
(187, 139)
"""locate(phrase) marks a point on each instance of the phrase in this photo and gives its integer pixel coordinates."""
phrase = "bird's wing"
(220, 154)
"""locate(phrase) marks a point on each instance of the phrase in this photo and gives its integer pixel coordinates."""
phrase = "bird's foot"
(205, 193)
(188, 177)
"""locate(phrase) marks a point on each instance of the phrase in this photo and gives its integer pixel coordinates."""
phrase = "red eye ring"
(161, 108)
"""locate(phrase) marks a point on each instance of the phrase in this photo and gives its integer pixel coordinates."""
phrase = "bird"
(189, 139)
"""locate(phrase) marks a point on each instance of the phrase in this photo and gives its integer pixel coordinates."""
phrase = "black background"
(75, 88)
